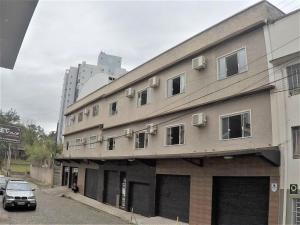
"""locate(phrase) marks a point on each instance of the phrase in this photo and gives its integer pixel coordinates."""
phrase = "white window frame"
(295, 156)
(78, 144)
(95, 105)
(183, 74)
(107, 144)
(148, 89)
(234, 114)
(92, 144)
(110, 108)
(146, 141)
(296, 211)
(166, 134)
(229, 54)
(81, 112)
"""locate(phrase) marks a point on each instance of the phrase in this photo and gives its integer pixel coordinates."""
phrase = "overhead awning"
(270, 154)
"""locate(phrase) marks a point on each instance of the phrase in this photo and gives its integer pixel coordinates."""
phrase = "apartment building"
(285, 105)
(77, 83)
(186, 135)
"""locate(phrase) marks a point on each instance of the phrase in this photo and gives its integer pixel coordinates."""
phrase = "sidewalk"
(124, 215)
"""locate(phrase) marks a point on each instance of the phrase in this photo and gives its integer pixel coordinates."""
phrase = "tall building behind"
(75, 79)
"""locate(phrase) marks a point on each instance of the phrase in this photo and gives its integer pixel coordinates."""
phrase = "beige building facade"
(194, 120)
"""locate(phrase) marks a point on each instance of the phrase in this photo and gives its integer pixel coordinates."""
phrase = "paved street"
(57, 210)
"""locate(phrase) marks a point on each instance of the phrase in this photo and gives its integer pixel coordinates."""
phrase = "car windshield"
(18, 186)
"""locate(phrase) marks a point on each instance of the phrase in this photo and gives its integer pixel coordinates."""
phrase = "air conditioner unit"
(199, 63)
(151, 129)
(199, 119)
(86, 111)
(154, 82)
(100, 138)
(128, 132)
(129, 92)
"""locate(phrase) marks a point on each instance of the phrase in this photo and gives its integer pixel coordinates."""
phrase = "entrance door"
(73, 177)
(91, 183)
(173, 197)
(139, 198)
(66, 174)
(240, 200)
(111, 187)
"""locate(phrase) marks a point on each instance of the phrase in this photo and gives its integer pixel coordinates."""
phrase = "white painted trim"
(165, 135)
(142, 131)
(148, 97)
(228, 54)
(173, 77)
(234, 114)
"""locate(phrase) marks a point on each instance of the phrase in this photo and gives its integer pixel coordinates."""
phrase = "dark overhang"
(15, 16)
(270, 154)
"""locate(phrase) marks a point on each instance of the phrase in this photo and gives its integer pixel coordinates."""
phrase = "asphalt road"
(53, 209)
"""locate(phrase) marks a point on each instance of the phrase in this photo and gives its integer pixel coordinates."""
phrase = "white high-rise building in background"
(76, 83)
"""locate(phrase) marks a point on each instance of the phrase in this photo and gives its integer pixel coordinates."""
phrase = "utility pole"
(8, 159)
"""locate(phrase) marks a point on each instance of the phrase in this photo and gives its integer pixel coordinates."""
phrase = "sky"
(65, 33)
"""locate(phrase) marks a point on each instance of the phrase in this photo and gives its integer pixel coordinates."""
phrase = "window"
(296, 142)
(176, 85)
(93, 140)
(77, 143)
(175, 135)
(296, 211)
(141, 140)
(80, 116)
(67, 145)
(236, 126)
(143, 97)
(113, 109)
(111, 143)
(293, 73)
(232, 64)
(95, 110)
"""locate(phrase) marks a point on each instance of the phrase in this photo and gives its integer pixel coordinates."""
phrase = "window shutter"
(242, 60)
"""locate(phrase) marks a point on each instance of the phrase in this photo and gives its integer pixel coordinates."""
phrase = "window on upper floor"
(296, 142)
(67, 145)
(176, 85)
(78, 142)
(80, 117)
(95, 110)
(236, 125)
(293, 73)
(175, 135)
(141, 140)
(92, 141)
(143, 97)
(296, 211)
(113, 109)
(233, 63)
(111, 143)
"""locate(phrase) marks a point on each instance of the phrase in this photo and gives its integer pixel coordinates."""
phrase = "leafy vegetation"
(40, 147)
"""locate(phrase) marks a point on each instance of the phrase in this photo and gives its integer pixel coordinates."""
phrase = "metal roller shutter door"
(91, 183)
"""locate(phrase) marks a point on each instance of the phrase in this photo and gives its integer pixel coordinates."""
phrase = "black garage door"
(173, 197)
(91, 183)
(111, 187)
(240, 200)
(139, 198)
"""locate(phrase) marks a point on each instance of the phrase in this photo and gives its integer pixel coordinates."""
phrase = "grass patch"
(19, 167)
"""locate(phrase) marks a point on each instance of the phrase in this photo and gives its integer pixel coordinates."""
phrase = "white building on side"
(283, 45)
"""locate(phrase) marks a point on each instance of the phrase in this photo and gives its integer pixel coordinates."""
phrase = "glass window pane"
(175, 132)
(242, 60)
(222, 68)
(235, 126)
(181, 134)
(182, 83)
(296, 141)
(225, 128)
(170, 87)
(246, 125)
(232, 65)
(169, 136)
(176, 86)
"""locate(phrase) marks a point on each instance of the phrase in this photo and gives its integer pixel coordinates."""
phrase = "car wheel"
(33, 208)
(5, 206)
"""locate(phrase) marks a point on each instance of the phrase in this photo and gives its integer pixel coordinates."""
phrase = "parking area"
(53, 209)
